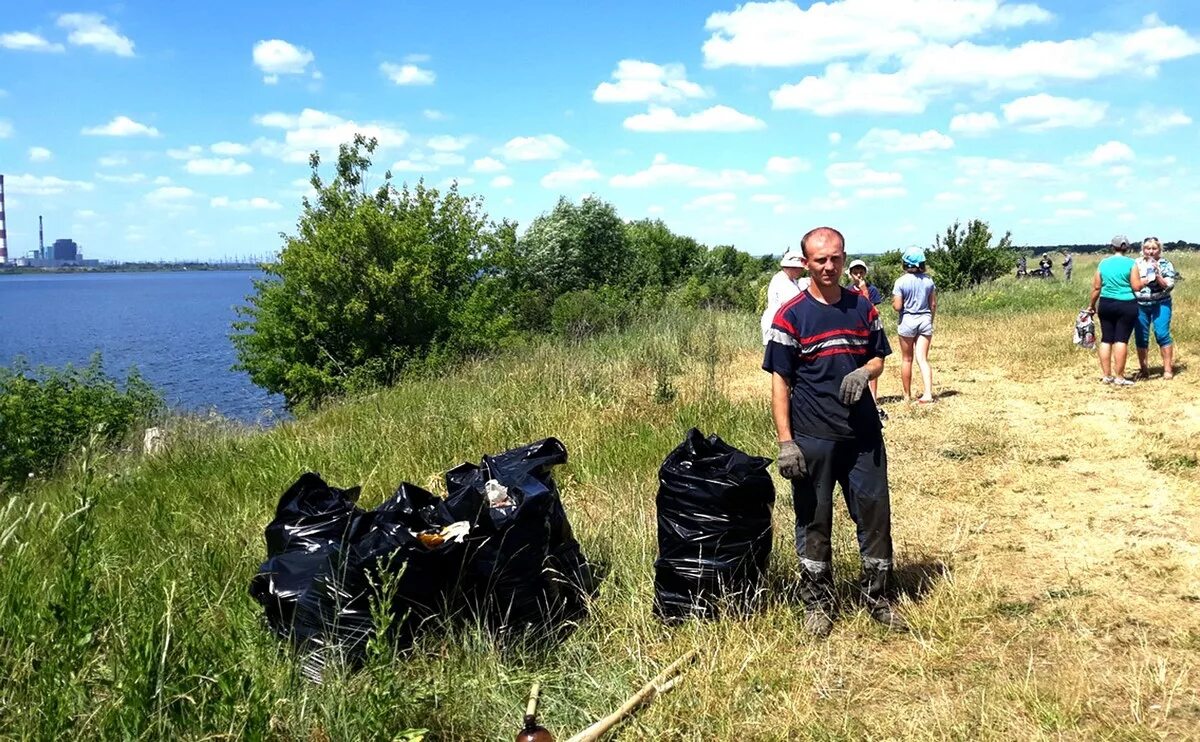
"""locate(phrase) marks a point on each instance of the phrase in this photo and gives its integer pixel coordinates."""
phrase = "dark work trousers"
(860, 468)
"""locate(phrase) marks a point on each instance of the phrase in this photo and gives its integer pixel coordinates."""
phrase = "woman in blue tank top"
(1113, 289)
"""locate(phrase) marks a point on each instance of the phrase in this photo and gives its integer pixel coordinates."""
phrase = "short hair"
(823, 230)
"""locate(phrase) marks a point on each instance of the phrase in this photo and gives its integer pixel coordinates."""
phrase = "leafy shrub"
(966, 257)
(580, 314)
(372, 283)
(45, 415)
(574, 247)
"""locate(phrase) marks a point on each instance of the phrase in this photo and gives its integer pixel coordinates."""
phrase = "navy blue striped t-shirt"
(813, 346)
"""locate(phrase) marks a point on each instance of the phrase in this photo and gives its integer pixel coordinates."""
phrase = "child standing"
(858, 282)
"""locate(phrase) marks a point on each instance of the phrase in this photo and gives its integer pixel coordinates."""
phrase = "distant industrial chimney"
(3, 226)
(41, 239)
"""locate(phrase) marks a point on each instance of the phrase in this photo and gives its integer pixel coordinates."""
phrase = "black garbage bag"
(524, 567)
(714, 528)
(319, 593)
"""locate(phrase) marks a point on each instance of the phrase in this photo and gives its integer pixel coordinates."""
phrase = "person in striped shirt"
(824, 347)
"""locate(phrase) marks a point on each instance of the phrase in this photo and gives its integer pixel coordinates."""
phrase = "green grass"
(124, 610)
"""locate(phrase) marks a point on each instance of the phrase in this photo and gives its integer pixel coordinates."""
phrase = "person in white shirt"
(785, 285)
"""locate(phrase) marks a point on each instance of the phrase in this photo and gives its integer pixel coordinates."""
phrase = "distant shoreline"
(134, 268)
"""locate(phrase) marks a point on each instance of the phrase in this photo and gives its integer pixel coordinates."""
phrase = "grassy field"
(1047, 533)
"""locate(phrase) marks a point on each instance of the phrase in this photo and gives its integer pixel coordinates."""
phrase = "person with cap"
(1068, 264)
(914, 296)
(1154, 308)
(858, 282)
(784, 285)
(1113, 298)
(825, 346)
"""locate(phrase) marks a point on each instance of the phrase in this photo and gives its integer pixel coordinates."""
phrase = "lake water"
(174, 327)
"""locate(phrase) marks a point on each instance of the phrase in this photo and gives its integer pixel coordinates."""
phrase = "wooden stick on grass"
(663, 682)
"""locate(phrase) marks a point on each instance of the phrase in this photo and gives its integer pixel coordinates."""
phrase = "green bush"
(965, 257)
(580, 314)
(47, 414)
(374, 282)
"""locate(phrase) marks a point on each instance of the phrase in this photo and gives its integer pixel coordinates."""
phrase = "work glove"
(853, 385)
(791, 461)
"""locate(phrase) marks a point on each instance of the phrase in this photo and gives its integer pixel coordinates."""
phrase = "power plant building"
(64, 253)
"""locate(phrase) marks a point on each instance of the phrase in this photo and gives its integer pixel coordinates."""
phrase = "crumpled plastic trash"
(497, 494)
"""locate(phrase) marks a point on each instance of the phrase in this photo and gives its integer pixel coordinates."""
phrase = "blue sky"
(164, 130)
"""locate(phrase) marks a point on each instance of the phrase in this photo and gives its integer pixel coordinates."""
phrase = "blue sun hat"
(913, 256)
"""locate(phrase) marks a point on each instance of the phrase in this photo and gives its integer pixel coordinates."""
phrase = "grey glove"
(853, 385)
(791, 461)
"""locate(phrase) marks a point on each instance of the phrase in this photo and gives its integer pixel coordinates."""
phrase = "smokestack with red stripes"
(3, 227)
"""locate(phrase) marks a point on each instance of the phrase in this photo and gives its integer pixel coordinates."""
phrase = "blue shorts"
(1158, 316)
(912, 325)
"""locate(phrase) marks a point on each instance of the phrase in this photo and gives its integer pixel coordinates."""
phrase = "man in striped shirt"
(825, 345)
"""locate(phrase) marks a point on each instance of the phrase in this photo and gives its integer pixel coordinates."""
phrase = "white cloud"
(413, 166)
(993, 170)
(90, 29)
(447, 159)
(313, 130)
(44, 185)
(936, 69)
(787, 165)
(664, 172)
(229, 149)
(540, 147)
(217, 166)
(407, 74)
(121, 126)
(162, 180)
(275, 57)
(570, 175)
(501, 181)
(949, 197)
(893, 141)
(767, 198)
(24, 41)
(445, 143)
(6, 129)
(1041, 112)
(857, 174)
(1153, 121)
(974, 124)
(781, 34)
(835, 138)
(1073, 213)
(841, 90)
(884, 192)
(645, 82)
(170, 195)
(722, 202)
(434, 115)
(487, 165)
(189, 152)
(715, 119)
(112, 161)
(1109, 153)
(40, 154)
(257, 203)
(1066, 197)
(85, 214)
(123, 179)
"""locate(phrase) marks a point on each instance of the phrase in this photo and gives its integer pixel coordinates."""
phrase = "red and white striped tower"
(3, 227)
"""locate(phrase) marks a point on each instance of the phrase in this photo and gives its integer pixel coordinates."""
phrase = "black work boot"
(816, 591)
(873, 588)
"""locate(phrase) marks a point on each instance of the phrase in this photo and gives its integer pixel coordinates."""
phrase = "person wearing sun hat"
(858, 282)
(784, 285)
(914, 296)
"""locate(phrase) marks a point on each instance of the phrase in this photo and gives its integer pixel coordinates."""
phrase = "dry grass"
(1047, 535)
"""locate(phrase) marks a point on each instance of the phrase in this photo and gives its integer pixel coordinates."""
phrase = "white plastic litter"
(497, 494)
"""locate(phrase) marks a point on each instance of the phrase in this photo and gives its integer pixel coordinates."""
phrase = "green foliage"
(660, 257)
(965, 257)
(580, 314)
(45, 415)
(574, 247)
(371, 283)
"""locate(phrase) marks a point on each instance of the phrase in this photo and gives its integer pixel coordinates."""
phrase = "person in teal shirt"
(1113, 288)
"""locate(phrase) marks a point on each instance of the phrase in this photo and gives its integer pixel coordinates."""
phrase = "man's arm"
(874, 368)
(781, 407)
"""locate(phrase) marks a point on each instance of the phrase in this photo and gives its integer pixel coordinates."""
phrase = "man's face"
(825, 258)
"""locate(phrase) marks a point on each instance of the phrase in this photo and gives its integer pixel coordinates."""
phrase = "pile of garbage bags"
(499, 548)
(714, 529)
